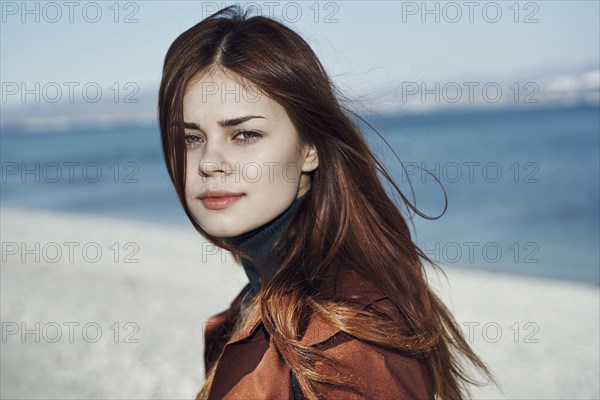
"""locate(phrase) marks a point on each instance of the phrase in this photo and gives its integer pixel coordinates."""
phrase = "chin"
(222, 229)
(222, 234)
(216, 230)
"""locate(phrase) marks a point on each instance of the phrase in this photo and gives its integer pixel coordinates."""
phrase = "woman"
(268, 165)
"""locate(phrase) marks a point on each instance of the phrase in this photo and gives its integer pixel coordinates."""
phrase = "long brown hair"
(345, 208)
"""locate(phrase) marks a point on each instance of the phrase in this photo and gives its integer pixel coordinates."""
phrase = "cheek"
(291, 168)
(191, 173)
(289, 165)
(288, 173)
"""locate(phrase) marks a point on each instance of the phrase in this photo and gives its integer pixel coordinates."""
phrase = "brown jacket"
(249, 366)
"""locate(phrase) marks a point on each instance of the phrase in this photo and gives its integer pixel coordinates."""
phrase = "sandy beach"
(99, 308)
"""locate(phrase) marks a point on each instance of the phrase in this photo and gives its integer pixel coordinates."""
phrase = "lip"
(218, 200)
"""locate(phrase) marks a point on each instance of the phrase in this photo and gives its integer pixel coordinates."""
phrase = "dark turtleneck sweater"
(258, 242)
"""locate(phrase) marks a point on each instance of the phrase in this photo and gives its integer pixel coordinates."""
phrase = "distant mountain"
(37, 110)
(137, 106)
(545, 91)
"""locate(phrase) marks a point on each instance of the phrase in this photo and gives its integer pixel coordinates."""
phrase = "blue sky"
(364, 44)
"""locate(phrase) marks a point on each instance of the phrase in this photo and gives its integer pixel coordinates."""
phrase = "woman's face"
(242, 142)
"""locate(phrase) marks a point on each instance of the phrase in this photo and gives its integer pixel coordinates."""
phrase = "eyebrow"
(226, 122)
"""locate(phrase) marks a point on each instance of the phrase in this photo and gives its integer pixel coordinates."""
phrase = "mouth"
(219, 202)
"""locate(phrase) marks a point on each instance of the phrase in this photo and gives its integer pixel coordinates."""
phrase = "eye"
(191, 139)
(247, 137)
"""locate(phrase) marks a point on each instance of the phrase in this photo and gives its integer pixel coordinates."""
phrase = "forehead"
(214, 95)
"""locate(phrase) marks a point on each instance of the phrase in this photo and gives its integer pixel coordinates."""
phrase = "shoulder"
(379, 372)
(219, 328)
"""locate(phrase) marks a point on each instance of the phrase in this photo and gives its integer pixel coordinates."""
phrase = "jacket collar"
(318, 329)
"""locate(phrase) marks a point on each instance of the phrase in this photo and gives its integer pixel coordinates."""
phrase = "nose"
(214, 160)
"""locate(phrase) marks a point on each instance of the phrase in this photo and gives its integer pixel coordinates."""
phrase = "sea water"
(522, 185)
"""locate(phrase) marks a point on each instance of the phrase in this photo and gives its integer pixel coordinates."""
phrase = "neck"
(258, 243)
